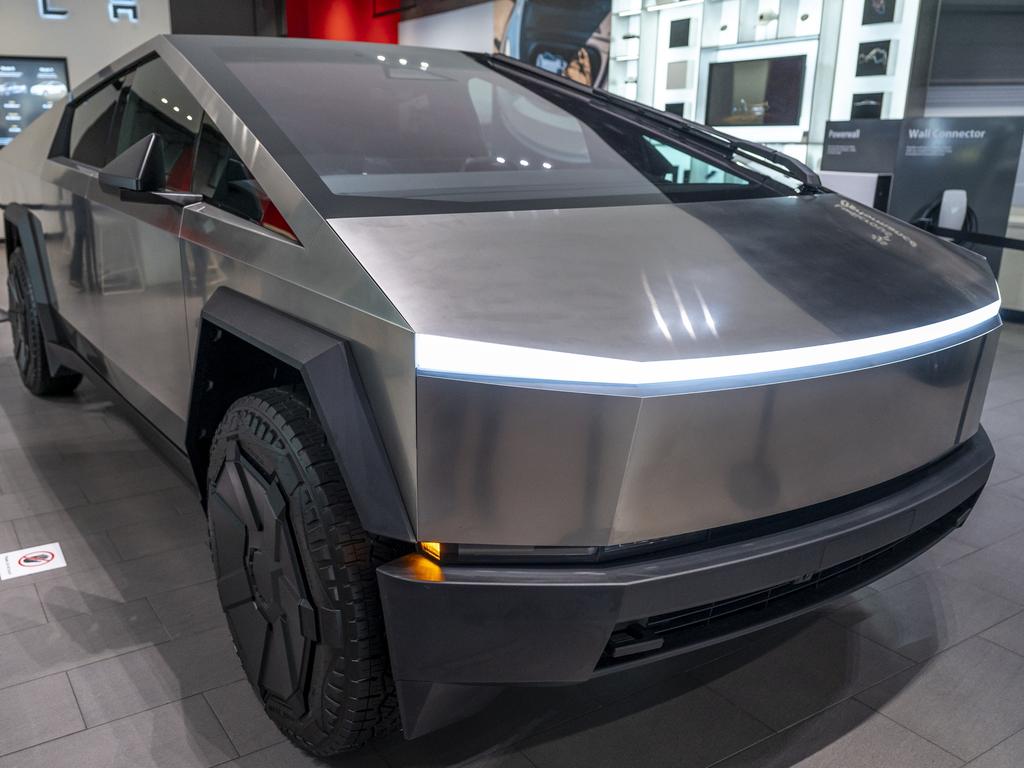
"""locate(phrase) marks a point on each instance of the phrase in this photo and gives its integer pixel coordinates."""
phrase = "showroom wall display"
(755, 69)
(773, 71)
(88, 32)
(565, 37)
(928, 156)
(29, 86)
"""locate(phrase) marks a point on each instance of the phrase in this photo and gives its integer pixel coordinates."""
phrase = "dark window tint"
(91, 124)
(397, 131)
(222, 179)
(679, 33)
(157, 102)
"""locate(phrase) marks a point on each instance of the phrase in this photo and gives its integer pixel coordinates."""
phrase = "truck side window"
(92, 123)
(157, 102)
(222, 179)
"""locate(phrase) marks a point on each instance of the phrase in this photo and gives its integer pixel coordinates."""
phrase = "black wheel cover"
(260, 578)
(17, 313)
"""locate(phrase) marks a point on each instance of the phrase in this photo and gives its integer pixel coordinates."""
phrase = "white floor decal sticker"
(23, 562)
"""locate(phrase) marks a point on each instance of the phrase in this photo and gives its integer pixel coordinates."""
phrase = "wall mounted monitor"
(873, 58)
(866, 106)
(28, 88)
(878, 11)
(756, 92)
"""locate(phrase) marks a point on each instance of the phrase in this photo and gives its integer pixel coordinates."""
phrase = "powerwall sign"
(117, 10)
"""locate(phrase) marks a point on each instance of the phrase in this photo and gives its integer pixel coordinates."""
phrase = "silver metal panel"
(220, 249)
(506, 465)
(976, 402)
(711, 459)
(664, 282)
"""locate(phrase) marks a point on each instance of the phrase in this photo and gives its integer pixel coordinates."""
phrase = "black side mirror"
(138, 175)
(140, 168)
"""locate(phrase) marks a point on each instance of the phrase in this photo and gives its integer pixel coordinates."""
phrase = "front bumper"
(513, 625)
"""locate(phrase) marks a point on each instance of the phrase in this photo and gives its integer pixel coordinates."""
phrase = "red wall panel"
(342, 20)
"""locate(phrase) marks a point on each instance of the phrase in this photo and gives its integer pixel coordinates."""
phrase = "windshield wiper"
(727, 146)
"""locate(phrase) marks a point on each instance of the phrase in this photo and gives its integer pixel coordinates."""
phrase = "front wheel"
(296, 575)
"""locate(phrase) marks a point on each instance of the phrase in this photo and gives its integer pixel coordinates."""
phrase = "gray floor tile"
(241, 715)
(184, 734)
(190, 609)
(59, 646)
(41, 437)
(8, 538)
(848, 735)
(160, 535)
(1007, 754)
(1009, 451)
(36, 712)
(132, 682)
(672, 724)
(20, 608)
(799, 669)
(287, 756)
(998, 514)
(1009, 634)
(1004, 421)
(1014, 488)
(946, 551)
(100, 588)
(130, 483)
(966, 699)
(58, 495)
(92, 518)
(1011, 338)
(513, 714)
(1009, 362)
(1008, 389)
(925, 615)
(998, 568)
(853, 597)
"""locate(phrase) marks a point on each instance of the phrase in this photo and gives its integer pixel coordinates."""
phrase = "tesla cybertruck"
(487, 378)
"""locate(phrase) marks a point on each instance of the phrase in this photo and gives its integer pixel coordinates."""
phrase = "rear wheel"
(297, 575)
(27, 334)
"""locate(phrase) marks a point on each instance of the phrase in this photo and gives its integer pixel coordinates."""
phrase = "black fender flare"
(19, 218)
(328, 370)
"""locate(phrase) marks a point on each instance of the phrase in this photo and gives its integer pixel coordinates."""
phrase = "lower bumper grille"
(704, 624)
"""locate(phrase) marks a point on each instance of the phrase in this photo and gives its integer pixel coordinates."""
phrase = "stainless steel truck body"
(544, 383)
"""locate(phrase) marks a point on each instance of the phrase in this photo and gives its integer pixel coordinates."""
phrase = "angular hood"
(666, 282)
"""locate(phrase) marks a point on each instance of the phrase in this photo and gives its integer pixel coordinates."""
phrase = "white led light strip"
(462, 357)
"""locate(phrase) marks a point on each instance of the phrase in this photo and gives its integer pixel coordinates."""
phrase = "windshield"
(391, 128)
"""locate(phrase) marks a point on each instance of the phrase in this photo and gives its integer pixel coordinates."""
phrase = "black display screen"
(758, 92)
(28, 87)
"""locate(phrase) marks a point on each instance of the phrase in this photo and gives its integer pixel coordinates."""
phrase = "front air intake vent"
(690, 628)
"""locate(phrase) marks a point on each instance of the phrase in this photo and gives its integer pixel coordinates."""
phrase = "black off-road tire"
(297, 575)
(27, 334)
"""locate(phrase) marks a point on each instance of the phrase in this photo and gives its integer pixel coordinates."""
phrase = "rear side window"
(223, 180)
(157, 102)
(92, 123)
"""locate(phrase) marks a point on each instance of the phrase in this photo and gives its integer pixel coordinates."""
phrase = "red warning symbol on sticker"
(42, 557)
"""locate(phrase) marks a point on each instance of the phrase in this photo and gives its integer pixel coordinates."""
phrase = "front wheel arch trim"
(243, 346)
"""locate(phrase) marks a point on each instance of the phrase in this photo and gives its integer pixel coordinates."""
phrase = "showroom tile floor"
(122, 660)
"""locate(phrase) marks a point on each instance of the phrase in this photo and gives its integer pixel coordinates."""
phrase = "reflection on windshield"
(430, 125)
